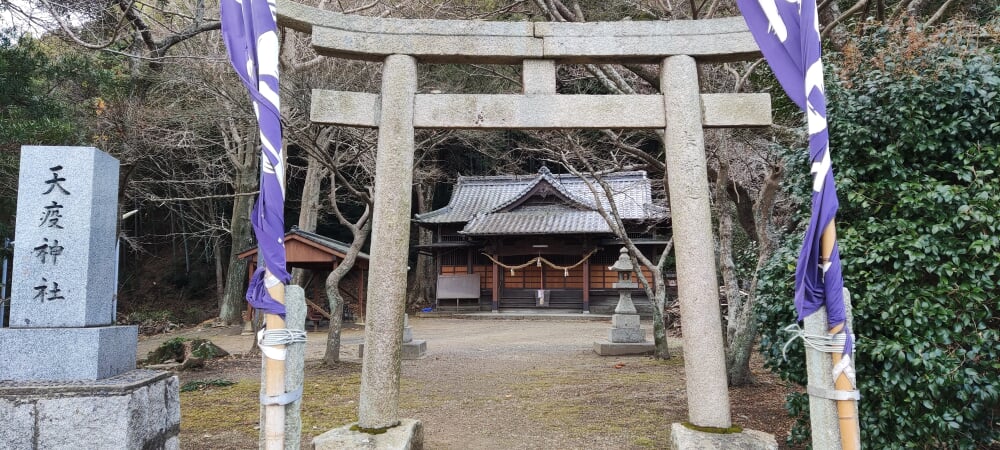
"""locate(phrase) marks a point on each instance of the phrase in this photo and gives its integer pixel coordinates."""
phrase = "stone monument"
(67, 372)
(412, 348)
(626, 337)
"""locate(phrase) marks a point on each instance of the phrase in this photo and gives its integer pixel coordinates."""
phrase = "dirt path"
(501, 384)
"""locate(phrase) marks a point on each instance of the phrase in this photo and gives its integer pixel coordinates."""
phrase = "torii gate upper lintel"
(681, 110)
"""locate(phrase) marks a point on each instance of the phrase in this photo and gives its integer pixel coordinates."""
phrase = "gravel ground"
(519, 384)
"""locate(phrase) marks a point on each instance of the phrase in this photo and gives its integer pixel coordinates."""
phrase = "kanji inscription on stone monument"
(62, 302)
(65, 238)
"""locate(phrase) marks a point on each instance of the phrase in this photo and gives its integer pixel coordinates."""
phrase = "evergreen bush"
(915, 139)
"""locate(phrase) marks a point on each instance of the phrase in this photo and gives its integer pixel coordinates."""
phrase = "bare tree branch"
(853, 9)
(939, 13)
(163, 200)
(371, 5)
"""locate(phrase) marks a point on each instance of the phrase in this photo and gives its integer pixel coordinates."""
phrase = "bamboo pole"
(274, 377)
(847, 410)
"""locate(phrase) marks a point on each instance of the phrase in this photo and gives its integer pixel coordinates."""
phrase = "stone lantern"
(626, 336)
(625, 283)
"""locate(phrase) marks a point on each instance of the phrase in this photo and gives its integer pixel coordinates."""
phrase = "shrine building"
(532, 242)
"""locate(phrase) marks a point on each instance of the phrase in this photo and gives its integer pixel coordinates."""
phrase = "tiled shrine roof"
(544, 203)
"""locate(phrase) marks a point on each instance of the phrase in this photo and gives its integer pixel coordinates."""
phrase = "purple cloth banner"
(250, 31)
(787, 32)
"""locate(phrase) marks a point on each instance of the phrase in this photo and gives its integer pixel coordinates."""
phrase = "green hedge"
(915, 138)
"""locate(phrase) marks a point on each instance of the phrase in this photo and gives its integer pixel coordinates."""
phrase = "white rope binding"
(268, 339)
(826, 343)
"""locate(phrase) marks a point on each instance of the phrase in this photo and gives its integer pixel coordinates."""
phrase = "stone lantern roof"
(624, 268)
(624, 263)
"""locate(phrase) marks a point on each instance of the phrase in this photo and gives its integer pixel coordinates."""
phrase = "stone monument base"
(684, 438)
(136, 409)
(67, 354)
(408, 435)
(607, 348)
(415, 349)
(627, 335)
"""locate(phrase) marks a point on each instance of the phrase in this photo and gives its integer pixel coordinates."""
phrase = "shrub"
(915, 138)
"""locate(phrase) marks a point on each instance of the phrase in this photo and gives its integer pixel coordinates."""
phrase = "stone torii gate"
(681, 111)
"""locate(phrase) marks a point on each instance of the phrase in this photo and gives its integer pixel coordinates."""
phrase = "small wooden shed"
(320, 254)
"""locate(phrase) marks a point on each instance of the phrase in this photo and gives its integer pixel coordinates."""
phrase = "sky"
(7, 19)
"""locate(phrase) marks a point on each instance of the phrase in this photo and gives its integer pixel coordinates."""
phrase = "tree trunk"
(309, 207)
(741, 326)
(737, 352)
(220, 285)
(659, 325)
(743, 338)
(360, 231)
(245, 181)
(837, 37)
(332, 354)
(232, 300)
(423, 278)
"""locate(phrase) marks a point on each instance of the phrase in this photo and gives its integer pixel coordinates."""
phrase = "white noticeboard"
(458, 286)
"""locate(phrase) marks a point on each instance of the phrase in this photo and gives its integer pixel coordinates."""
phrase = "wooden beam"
(586, 285)
(251, 267)
(361, 295)
(496, 287)
(541, 277)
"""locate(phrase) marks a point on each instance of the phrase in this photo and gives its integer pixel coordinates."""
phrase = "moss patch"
(329, 401)
(731, 430)
(355, 427)
(216, 409)
(638, 400)
(330, 397)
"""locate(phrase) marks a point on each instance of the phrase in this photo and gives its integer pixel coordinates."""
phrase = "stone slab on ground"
(65, 354)
(415, 349)
(606, 348)
(408, 435)
(136, 409)
(684, 438)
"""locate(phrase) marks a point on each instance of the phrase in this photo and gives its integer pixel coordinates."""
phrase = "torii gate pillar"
(694, 245)
(390, 246)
